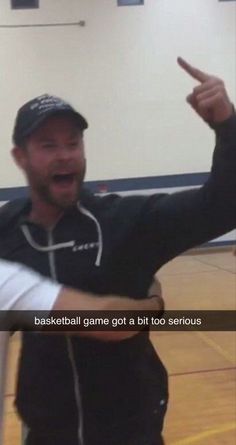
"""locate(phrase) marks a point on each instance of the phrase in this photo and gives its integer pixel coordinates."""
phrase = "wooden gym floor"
(201, 365)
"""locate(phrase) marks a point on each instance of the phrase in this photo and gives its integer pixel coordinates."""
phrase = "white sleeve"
(23, 289)
(4, 340)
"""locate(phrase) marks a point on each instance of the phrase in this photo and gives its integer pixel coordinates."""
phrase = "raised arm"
(179, 221)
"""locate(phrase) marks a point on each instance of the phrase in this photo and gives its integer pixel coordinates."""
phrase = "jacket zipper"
(78, 399)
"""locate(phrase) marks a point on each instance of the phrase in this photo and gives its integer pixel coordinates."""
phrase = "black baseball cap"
(32, 114)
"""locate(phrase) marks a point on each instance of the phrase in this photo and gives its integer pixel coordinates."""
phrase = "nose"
(64, 152)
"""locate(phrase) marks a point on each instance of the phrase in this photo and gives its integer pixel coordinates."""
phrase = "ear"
(20, 156)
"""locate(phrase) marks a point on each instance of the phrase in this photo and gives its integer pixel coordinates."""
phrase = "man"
(22, 290)
(87, 392)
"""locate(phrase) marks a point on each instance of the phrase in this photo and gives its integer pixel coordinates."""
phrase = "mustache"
(63, 167)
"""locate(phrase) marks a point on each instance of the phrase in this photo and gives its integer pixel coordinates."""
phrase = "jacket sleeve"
(171, 224)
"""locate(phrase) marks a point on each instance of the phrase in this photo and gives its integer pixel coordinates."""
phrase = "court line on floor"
(201, 371)
(216, 347)
(206, 434)
(174, 274)
(221, 268)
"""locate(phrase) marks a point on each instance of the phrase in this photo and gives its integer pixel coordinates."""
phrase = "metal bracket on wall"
(81, 23)
(24, 4)
(130, 2)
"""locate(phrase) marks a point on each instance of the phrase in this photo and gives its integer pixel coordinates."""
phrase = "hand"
(154, 303)
(209, 99)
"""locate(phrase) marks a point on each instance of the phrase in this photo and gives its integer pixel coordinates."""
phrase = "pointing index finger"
(192, 71)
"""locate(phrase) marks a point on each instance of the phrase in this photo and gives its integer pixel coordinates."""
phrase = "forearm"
(73, 300)
(22, 290)
(69, 299)
(224, 163)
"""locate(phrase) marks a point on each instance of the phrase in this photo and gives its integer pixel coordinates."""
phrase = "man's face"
(54, 162)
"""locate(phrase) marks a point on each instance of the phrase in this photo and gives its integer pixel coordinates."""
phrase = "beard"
(50, 191)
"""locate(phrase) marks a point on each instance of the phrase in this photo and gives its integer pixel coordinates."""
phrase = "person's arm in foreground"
(4, 341)
(24, 290)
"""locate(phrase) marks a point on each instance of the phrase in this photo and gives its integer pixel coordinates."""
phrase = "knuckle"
(196, 90)
(219, 96)
(219, 82)
(201, 106)
(220, 93)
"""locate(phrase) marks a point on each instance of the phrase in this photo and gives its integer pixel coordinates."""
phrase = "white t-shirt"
(21, 290)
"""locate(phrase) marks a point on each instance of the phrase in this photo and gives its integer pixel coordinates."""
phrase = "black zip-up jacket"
(111, 392)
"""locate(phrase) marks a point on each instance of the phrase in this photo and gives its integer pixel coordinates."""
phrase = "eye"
(48, 145)
(73, 144)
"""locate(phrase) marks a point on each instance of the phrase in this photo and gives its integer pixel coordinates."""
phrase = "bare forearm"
(69, 299)
(22, 290)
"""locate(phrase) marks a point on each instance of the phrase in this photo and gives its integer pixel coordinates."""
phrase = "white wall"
(120, 71)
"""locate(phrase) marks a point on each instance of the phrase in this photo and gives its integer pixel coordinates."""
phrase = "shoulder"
(11, 212)
(118, 206)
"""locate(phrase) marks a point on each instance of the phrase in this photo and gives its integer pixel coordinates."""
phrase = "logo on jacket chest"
(84, 247)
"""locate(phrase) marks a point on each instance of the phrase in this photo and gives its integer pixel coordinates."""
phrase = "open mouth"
(64, 179)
